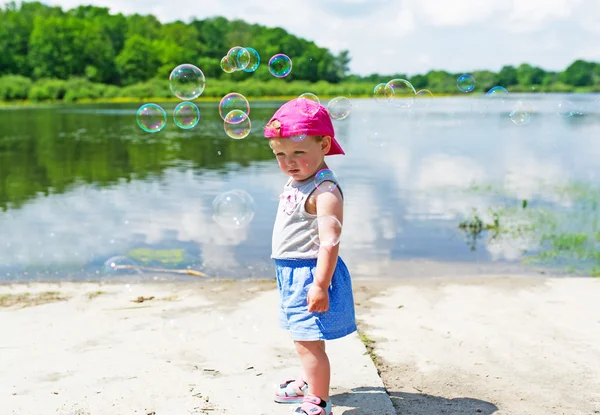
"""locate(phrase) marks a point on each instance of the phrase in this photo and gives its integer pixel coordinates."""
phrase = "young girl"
(316, 301)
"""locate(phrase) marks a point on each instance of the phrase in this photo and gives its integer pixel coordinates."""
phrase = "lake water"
(436, 190)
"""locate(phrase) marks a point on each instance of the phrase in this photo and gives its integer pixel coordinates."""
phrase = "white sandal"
(291, 391)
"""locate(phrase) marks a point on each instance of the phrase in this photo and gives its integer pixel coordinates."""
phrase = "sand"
(489, 345)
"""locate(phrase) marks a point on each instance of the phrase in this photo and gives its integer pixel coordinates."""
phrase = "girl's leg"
(303, 371)
(315, 366)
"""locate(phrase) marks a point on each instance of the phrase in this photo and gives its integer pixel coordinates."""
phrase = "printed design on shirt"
(289, 200)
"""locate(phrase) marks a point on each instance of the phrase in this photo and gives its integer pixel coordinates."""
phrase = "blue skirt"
(294, 278)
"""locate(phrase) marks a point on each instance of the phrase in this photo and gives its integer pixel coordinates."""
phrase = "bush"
(48, 89)
(14, 87)
(80, 88)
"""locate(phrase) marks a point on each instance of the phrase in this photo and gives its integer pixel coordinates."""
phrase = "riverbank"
(490, 345)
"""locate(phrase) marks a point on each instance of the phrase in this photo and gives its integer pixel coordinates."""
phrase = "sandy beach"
(486, 345)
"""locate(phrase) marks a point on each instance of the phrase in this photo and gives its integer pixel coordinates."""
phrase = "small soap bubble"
(465, 83)
(308, 110)
(151, 118)
(400, 93)
(280, 65)
(326, 231)
(233, 101)
(325, 180)
(497, 93)
(310, 96)
(521, 113)
(240, 57)
(187, 82)
(494, 101)
(121, 265)
(379, 93)
(566, 109)
(186, 115)
(228, 64)
(423, 98)
(233, 209)
(339, 108)
(237, 124)
(254, 61)
(297, 135)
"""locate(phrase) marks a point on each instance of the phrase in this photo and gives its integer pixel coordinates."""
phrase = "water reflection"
(82, 184)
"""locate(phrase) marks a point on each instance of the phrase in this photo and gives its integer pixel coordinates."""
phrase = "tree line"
(48, 53)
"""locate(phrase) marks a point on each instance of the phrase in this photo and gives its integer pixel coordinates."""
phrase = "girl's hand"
(318, 299)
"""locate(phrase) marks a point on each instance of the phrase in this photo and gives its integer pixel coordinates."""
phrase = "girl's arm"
(329, 205)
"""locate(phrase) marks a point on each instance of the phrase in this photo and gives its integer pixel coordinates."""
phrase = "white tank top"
(293, 232)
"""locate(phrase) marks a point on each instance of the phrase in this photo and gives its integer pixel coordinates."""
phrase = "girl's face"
(300, 159)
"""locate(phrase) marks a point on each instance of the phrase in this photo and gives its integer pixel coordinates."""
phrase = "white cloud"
(454, 13)
(49, 230)
(412, 36)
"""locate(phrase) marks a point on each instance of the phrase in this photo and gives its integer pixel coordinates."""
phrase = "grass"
(28, 300)
(370, 346)
(162, 256)
(567, 238)
(94, 294)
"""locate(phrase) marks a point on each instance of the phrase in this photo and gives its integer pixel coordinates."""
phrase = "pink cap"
(303, 116)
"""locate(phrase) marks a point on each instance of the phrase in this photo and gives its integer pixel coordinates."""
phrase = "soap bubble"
(400, 93)
(423, 98)
(233, 209)
(254, 60)
(567, 109)
(497, 93)
(310, 96)
(326, 231)
(186, 115)
(339, 108)
(233, 101)
(237, 124)
(325, 181)
(465, 83)
(151, 118)
(379, 93)
(240, 57)
(307, 106)
(297, 133)
(280, 65)
(521, 113)
(494, 101)
(121, 265)
(187, 82)
(228, 64)
(309, 110)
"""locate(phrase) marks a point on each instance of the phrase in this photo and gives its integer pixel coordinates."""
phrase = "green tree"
(441, 81)
(212, 33)
(137, 61)
(65, 46)
(16, 25)
(484, 80)
(529, 75)
(579, 73)
(343, 62)
(507, 76)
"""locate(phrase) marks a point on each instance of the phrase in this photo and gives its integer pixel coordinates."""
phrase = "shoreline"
(132, 100)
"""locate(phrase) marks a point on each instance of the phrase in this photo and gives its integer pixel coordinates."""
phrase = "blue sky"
(410, 36)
